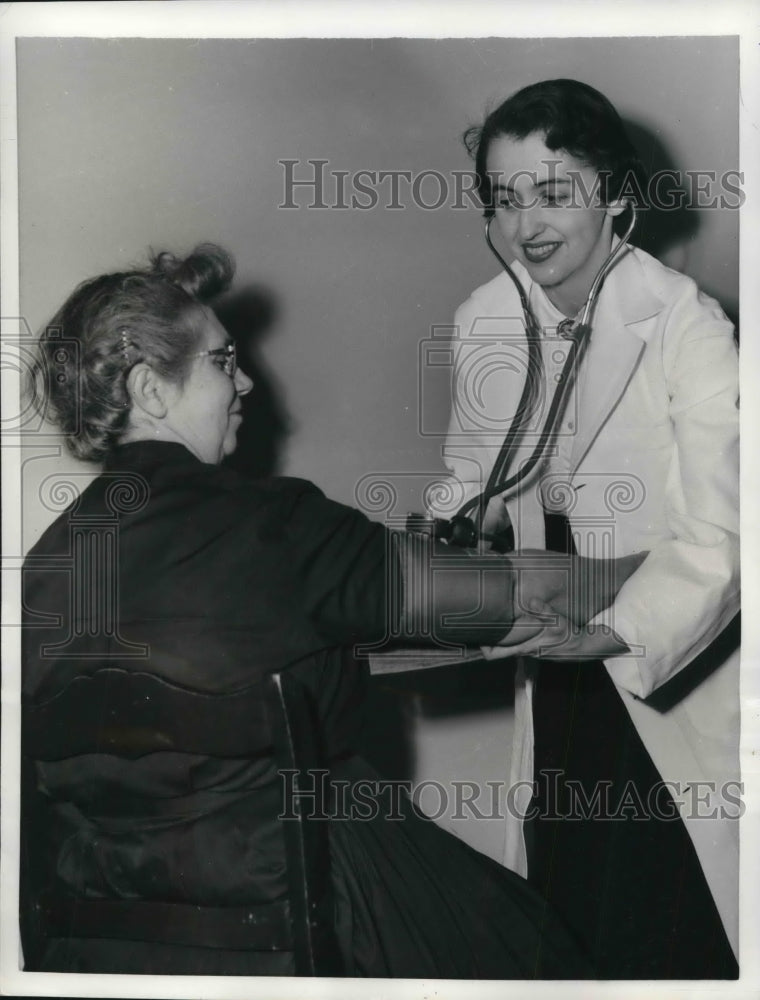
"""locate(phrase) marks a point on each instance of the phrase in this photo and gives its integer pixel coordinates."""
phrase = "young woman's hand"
(555, 597)
(558, 639)
(574, 587)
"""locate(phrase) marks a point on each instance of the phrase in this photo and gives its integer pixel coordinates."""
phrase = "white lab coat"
(648, 459)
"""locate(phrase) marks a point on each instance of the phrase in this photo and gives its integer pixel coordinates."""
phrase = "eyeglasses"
(228, 355)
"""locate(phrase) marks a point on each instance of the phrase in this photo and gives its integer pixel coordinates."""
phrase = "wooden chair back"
(131, 714)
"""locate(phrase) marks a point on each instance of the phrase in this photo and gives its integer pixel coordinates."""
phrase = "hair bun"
(205, 272)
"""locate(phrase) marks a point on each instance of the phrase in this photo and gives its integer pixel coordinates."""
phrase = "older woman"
(620, 729)
(222, 580)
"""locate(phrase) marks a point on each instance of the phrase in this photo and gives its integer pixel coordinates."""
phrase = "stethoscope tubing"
(579, 338)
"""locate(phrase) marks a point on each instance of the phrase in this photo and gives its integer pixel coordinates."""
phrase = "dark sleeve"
(363, 582)
(346, 564)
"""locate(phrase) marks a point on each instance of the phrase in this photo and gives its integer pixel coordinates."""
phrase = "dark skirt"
(626, 878)
(414, 901)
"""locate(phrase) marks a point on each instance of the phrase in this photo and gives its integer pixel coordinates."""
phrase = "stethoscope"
(465, 528)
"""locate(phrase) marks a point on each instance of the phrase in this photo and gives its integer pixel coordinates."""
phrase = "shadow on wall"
(661, 227)
(669, 222)
(398, 703)
(249, 316)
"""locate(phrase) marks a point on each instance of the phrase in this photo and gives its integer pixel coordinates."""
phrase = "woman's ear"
(148, 391)
(616, 208)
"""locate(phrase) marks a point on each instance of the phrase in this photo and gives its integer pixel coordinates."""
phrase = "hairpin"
(125, 346)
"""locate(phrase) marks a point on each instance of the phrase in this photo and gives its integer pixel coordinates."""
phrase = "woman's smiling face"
(547, 209)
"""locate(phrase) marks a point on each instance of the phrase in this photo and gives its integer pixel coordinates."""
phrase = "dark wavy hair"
(571, 117)
(151, 314)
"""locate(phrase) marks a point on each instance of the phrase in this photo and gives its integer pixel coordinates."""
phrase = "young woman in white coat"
(627, 728)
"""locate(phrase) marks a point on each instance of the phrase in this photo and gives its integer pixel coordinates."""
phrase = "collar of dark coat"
(150, 457)
(149, 453)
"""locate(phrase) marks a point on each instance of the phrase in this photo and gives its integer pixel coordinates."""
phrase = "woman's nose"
(530, 223)
(243, 384)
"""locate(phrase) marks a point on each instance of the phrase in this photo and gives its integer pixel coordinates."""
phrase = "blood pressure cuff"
(445, 594)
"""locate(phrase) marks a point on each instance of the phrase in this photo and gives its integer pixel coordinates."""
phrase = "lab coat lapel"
(622, 320)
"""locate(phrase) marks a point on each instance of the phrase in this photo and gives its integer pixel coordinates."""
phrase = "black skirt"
(622, 869)
(414, 901)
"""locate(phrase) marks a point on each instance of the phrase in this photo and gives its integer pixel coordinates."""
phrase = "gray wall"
(129, 143)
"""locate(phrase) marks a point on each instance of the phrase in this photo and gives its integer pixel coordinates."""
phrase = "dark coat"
(220, 580)
(214, 581)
